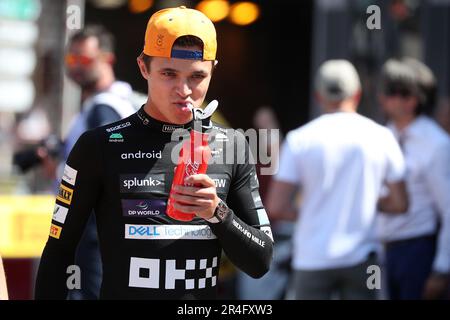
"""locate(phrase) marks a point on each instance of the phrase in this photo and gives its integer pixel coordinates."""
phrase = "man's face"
(398, 104)
(84, 62)
(173, 84)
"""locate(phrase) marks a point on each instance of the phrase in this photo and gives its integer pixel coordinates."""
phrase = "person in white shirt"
(340, 161)
(417, 244)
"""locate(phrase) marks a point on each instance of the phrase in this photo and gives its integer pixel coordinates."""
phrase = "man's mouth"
(184, 106)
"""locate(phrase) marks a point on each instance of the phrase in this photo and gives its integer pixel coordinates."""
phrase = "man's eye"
(198, 76)
(169, 74)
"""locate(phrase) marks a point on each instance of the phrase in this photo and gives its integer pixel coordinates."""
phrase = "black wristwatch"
(220, 213)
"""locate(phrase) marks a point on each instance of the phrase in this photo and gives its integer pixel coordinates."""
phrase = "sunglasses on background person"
(397, 91)
(77, 59)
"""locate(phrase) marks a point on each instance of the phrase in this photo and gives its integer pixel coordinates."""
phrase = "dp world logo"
(142, 205)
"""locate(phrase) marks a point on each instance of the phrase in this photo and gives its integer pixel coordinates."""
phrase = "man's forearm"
(249, 248)
(3, 287)
(396, 201)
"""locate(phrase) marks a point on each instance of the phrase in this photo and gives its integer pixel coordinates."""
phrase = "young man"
(340, 162)
(417, 243)
(124, 172)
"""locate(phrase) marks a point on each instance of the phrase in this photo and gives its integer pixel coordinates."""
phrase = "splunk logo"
(141, 183)
(143, 208)
(168, 232)
(141, 155)
(145, 273)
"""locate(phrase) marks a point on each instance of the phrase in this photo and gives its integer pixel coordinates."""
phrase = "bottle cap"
(202, 117)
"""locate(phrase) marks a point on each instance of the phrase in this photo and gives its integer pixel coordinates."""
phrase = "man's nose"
(183, 89)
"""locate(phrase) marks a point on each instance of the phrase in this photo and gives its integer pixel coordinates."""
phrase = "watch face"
(222, 210)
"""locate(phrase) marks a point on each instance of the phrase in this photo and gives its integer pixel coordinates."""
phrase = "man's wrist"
(220, 213)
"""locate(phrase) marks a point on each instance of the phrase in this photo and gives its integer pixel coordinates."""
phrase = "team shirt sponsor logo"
(141, 183)
(170, 128)
(267, 230)
(69, 175)
(65, 194)
(254, 183)
(221, 181)
(141, 155)
(193, 274)
(262, 216)
(60, 213)
(168, 232)
(216, 153)
(120, 126)
(143, 208)
(245, 231)
(116, 137)
(55, 231)
(220, 137)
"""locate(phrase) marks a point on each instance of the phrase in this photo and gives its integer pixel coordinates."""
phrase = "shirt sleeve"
(288, 169)
(245, 235)
(437, 179)
(396, 168)
(79, 188)
(100, 115)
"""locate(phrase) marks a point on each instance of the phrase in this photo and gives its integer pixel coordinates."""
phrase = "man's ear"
(142, 68)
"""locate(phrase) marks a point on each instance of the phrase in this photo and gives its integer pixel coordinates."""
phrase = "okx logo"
(145, 273)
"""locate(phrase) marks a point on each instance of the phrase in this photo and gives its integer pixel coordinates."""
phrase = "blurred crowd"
(373, 219)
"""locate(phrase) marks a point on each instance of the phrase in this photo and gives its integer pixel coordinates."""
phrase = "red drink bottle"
(194, 156)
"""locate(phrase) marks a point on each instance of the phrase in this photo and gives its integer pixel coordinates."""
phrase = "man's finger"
(190, 200)
(200, 179)
(195, 191)
(188, 208)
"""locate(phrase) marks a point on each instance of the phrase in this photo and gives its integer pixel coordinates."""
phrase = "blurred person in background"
(3, 287)
(89, 63)
(426, 83)
(417, 244)
(339, 162)
(443, 114)
(274, 284)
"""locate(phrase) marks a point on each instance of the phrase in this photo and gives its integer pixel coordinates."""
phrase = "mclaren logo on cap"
(160, 40)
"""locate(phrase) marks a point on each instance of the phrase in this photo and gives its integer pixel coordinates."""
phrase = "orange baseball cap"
(167, 25)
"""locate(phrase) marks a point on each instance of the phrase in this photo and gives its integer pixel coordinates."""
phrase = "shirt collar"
(146, 120)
